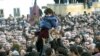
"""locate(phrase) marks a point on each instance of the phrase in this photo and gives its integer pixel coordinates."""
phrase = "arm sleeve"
(54, 22)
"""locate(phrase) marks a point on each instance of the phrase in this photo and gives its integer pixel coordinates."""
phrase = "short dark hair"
(77, 36)
(98, 45)
(0, 46)
(74, 49)
(48, 51)
(86, 54)
(80, 49)
(60, 55)
(48, 11)
(62, 51)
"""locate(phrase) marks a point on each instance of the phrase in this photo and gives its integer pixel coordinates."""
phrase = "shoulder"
(44, 18)
(54, 17)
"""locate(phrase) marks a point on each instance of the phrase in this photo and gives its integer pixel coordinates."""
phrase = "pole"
(59, 1)
(67, 1)
(59, 6)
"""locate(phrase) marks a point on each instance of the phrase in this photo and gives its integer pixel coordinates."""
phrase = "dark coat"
(56, 44)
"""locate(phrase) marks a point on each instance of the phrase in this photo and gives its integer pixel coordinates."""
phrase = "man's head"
(97, 47)
(77, 39)
(62, 51)
(48, 11)
(48, 51)
(85, 12)
(86, 54)
(98, 35)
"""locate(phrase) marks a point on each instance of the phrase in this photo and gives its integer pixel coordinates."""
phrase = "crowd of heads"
(77, 35)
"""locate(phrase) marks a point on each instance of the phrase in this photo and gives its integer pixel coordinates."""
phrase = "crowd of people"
(77, 35)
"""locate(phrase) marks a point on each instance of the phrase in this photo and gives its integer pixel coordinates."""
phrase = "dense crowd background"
(77, 35)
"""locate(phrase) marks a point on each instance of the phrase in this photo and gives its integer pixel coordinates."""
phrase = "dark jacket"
(56, 44)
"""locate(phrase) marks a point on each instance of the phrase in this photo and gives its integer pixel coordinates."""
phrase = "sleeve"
(54, 22)
(41, 22)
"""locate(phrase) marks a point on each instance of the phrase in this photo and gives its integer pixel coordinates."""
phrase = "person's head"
(97, 47)
(98, 35)
(69, 13)
(62, 51)
(28, 43)
(65, 42)
(86, 54)
(34, 53)
(68, 35)
(49, 51)
(90, 40)
(54, 34)
(48, 11)
(80, 49)
(74, 51)
(60, 55)
(86, 36)
(77, 39)
(85, 12)
(15, 53)
(10, 15)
